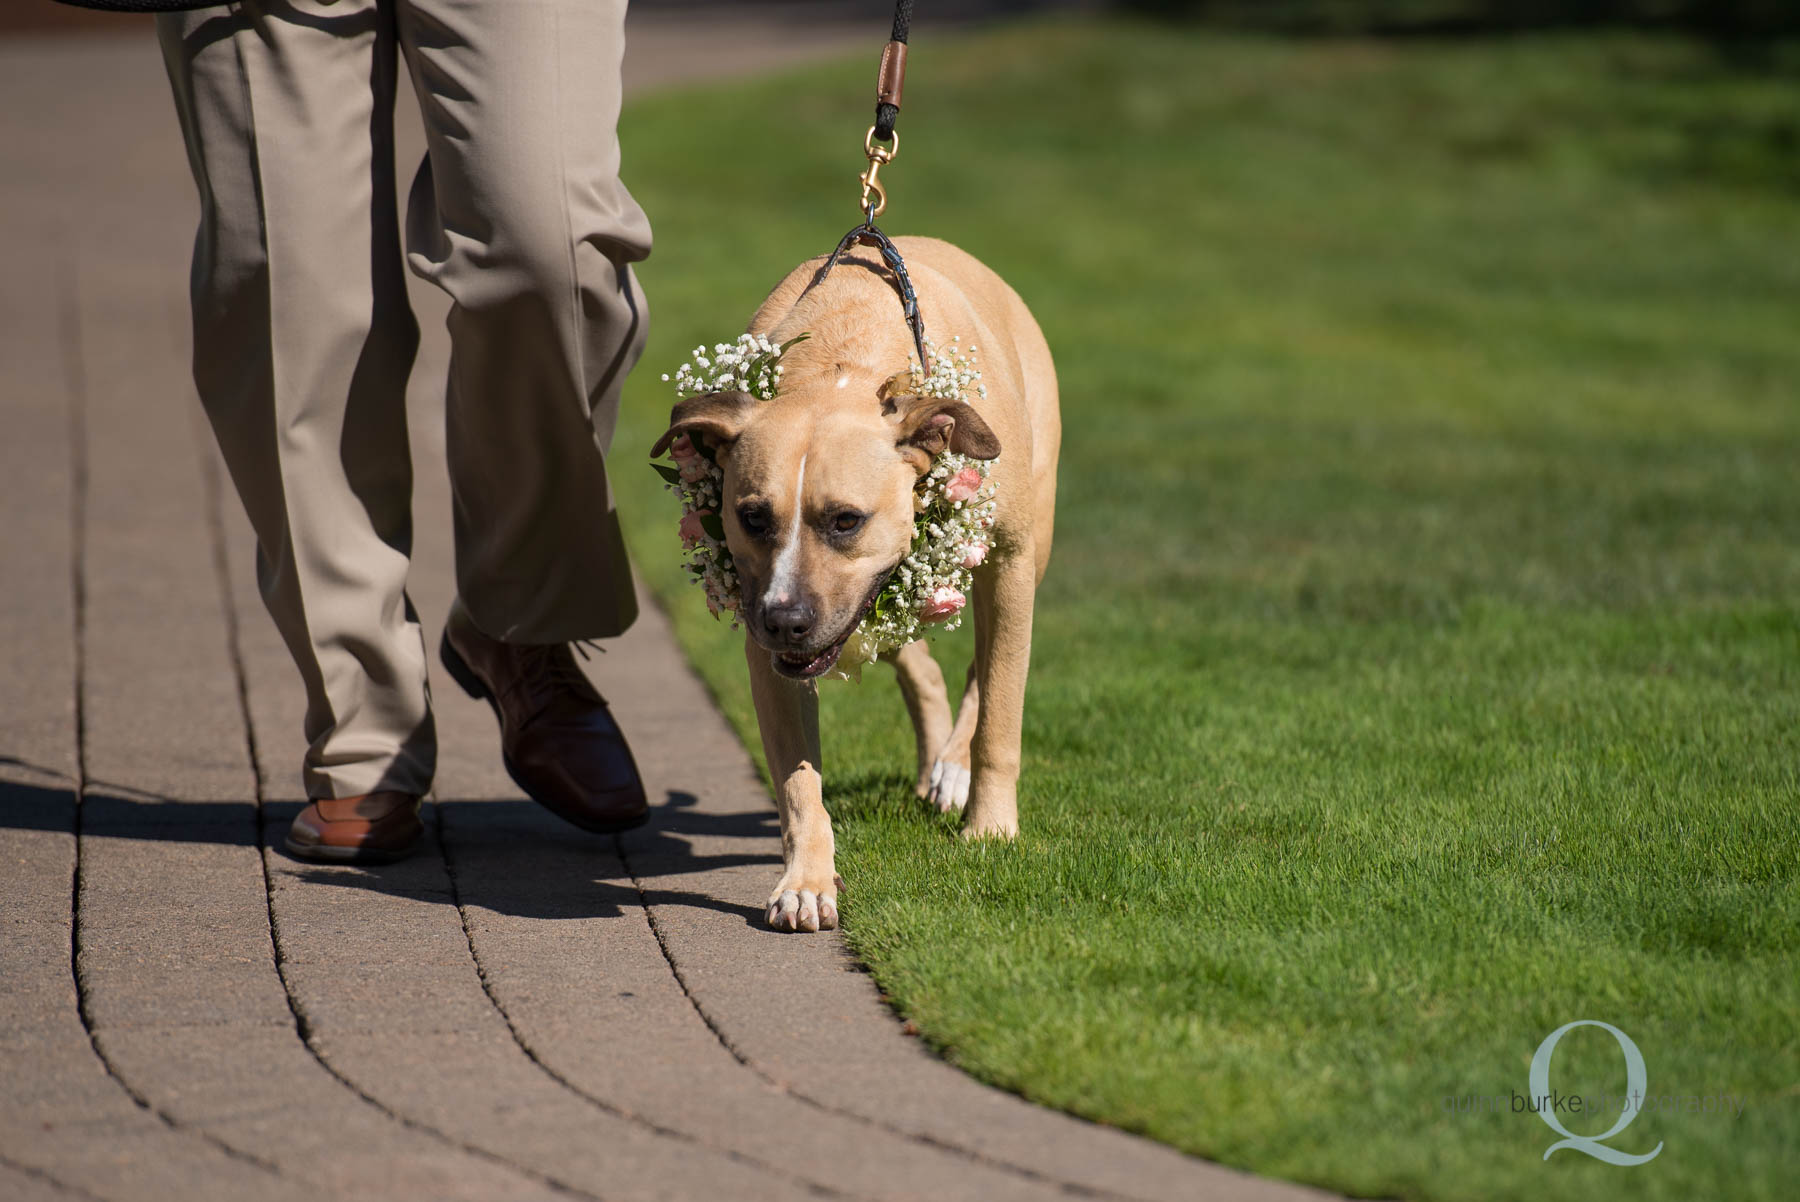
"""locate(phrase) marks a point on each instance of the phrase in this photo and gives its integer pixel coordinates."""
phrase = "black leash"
(892, 77)
(890, 81)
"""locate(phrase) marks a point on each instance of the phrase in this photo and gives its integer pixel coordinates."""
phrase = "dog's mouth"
(803, 665)
(799, 667)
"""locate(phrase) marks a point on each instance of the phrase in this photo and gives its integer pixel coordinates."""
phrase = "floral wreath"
(953, 504)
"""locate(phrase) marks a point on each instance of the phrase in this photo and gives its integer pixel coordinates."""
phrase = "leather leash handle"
(890, 80)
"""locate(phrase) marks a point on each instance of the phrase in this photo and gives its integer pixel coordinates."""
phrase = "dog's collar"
(867, 235)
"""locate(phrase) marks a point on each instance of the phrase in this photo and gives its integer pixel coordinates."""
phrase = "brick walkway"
(522, 1011)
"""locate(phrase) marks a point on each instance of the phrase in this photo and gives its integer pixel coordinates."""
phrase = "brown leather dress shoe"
(370, 829)
(559, 740)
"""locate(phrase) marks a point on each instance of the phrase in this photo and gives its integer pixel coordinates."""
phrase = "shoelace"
(547, 667)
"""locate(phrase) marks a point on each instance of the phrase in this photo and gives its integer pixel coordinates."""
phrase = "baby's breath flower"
(751, 364)
(953, 372)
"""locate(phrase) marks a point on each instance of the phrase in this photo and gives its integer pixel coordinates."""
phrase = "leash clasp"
(877, 156)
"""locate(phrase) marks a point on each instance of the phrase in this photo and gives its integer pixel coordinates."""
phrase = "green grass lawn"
(1418, 668)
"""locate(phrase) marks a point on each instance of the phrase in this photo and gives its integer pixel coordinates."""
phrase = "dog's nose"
(791, 620)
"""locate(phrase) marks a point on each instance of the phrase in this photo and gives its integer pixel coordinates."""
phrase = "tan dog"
(818, 509)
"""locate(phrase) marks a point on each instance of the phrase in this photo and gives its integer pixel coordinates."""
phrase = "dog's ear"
(932, 423)
(716, 416)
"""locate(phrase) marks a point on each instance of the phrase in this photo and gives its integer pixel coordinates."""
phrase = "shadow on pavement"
(524, 861)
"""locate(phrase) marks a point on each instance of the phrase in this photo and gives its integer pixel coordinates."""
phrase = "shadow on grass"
(883, 797)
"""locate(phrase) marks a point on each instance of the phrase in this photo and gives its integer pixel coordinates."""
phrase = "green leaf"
(710, 523)
(672, 475)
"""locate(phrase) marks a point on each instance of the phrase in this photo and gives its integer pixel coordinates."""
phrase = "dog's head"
(818, 502)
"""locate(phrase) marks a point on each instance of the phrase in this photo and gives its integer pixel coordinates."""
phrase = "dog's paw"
(804, 909)
(949, 789)
(1004, 831)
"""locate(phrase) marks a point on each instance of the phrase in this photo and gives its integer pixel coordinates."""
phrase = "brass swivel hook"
(877, 156)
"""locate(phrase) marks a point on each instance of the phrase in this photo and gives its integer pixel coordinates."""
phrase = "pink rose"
(944, 603)
(963, 485)
(973, 554)
(691, 529)
(682, 448)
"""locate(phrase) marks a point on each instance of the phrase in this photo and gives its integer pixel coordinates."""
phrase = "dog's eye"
(847, 521)
(754, 519)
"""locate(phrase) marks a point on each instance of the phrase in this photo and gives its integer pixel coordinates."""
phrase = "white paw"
(805, 909)
(949, 785)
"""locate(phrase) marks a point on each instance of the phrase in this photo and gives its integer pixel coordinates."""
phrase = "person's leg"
(302, 344)
(519, 214)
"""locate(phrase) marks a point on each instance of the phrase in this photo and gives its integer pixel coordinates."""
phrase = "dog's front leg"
(787, 711)
(928, 704)
(1004, 596)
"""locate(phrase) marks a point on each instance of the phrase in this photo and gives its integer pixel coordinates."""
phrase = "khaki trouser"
(303, 338)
